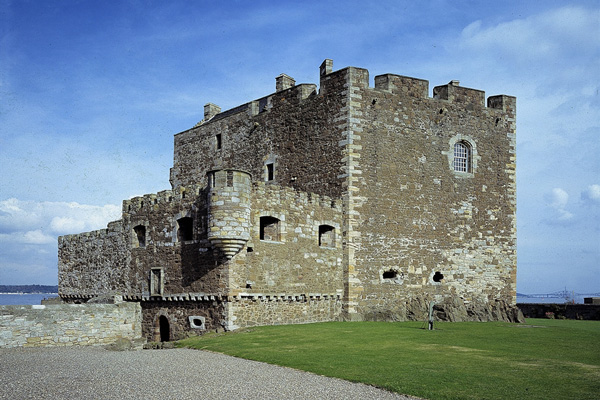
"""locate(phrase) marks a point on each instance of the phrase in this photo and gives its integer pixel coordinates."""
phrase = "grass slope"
(558, 359)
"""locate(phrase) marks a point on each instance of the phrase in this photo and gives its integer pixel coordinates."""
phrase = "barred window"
(462, 157)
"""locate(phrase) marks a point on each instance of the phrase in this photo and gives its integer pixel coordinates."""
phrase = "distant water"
(24, 299)
(548, 300)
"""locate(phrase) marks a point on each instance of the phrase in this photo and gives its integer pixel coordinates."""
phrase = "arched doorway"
(165, 330)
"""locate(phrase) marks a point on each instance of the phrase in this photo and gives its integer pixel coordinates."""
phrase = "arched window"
(462, 157)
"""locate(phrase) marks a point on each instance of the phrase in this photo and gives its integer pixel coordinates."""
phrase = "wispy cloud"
(29, 231)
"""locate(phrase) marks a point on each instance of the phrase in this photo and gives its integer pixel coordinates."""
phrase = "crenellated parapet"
(152, 201)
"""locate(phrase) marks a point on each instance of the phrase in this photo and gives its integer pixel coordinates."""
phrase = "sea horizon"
(23, 299)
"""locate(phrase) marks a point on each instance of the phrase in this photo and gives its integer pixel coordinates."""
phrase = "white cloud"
(29, 233)
(558, 200)
(37, 237)
(546, 35)
(33, 222)
(66, 224)
(591, 194)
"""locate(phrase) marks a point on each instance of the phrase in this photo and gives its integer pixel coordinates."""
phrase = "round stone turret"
(229, 210)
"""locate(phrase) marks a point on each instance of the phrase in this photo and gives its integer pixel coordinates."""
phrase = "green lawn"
(542, 359)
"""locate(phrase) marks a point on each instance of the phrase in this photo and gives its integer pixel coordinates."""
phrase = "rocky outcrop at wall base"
(457, 311)
(451, 310)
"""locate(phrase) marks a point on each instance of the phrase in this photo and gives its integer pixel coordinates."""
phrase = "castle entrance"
(162, 330)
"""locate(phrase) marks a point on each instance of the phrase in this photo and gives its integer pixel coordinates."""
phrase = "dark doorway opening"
(165, 331)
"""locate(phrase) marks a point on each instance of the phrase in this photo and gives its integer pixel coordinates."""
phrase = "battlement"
(182, 193)
(286, 194)
(286, 90)
(398, 84)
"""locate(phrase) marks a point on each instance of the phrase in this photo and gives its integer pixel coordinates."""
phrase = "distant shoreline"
(22, 293)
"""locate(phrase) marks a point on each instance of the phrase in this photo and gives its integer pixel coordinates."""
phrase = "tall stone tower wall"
(418, 229)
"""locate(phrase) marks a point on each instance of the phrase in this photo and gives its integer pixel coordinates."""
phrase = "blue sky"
(92, 92)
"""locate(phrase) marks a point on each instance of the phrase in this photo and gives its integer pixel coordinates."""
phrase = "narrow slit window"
(156, 282)
(218, 140)
(270, 172)
(269, 229)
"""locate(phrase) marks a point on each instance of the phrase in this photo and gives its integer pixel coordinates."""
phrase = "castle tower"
(229, 210)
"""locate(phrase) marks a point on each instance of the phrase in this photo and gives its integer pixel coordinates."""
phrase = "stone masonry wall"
(69, 324)
(294, 263)
(118, 261)
(413, 215)
(178, 314)
(279, 310)
(95, 262)
(297, 130)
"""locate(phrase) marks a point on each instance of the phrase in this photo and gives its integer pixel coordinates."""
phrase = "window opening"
(326, 236)
(391, 274)
(269, 229)
(462, 157)
(156, 282)
(438, 276)
(270, 172)
(185, 229)
(197, 322)
(140, 235)
(218, 140)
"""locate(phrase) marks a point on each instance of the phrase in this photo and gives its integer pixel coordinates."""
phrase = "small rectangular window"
(156, 282)
(269, 229)
(139, 236)
(218, 141)
(185, 229)
(326, 236)
(270, 172)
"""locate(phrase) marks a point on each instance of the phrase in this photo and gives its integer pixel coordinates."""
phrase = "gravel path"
(97, 373)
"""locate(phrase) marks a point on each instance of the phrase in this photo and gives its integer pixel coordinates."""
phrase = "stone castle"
(336, 202)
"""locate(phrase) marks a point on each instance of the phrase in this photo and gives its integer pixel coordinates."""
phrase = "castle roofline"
(394, 83)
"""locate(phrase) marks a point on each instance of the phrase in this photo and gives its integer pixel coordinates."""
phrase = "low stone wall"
(69, 324)
(568, 311)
